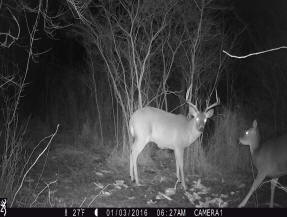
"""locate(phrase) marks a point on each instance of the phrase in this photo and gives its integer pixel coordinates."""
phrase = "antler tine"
(188, 100)
(193, 106)
(214, 104)
(188, 93)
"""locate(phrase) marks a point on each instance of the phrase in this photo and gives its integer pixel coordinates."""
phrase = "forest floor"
(73, 176)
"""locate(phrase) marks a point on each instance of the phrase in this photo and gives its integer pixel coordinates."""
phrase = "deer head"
(200, 118)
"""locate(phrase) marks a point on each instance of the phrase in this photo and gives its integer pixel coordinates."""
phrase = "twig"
(47, 186)
(98, 194)
(9, 34)
(83, 201)
(165, 196)
(33, 164)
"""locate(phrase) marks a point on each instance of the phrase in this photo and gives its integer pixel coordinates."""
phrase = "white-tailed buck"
(269, 158)
(168, 131)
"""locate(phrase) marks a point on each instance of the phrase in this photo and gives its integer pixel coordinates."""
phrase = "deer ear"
(209, 113)
(254, 124)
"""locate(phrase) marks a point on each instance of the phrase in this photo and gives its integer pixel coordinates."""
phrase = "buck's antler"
(214, 104)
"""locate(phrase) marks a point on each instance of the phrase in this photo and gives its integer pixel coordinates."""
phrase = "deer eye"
(205, 120)
(246, 132)
(197, 119)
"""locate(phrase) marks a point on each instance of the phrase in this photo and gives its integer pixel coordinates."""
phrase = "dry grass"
(224, 151)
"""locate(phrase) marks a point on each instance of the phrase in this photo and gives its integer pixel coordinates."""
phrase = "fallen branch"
(253, 54)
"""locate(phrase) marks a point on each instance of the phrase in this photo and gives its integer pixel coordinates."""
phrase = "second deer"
(168, 131)
(269, 158)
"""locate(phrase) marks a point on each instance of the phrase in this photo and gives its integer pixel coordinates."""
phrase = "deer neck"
(254, 146)
(194, 133)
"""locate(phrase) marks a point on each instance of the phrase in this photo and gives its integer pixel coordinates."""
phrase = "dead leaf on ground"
(170, 191)
(151, 202)
(120, 183)
(99, 174)
(106, 193)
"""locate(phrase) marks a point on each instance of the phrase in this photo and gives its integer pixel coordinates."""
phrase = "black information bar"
(134, 212)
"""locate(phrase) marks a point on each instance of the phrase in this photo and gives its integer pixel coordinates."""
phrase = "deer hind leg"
(273, 186)
(137, 148)
(177, 169)
(259, 179)
(179, 166)
(131, 166)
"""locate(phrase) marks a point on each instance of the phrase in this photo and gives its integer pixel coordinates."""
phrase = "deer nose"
(240, 140)
(201, 128)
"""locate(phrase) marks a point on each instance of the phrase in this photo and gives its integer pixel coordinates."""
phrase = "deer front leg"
(273, 186)
(131, 167)
(259, 179)
(179, 166)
